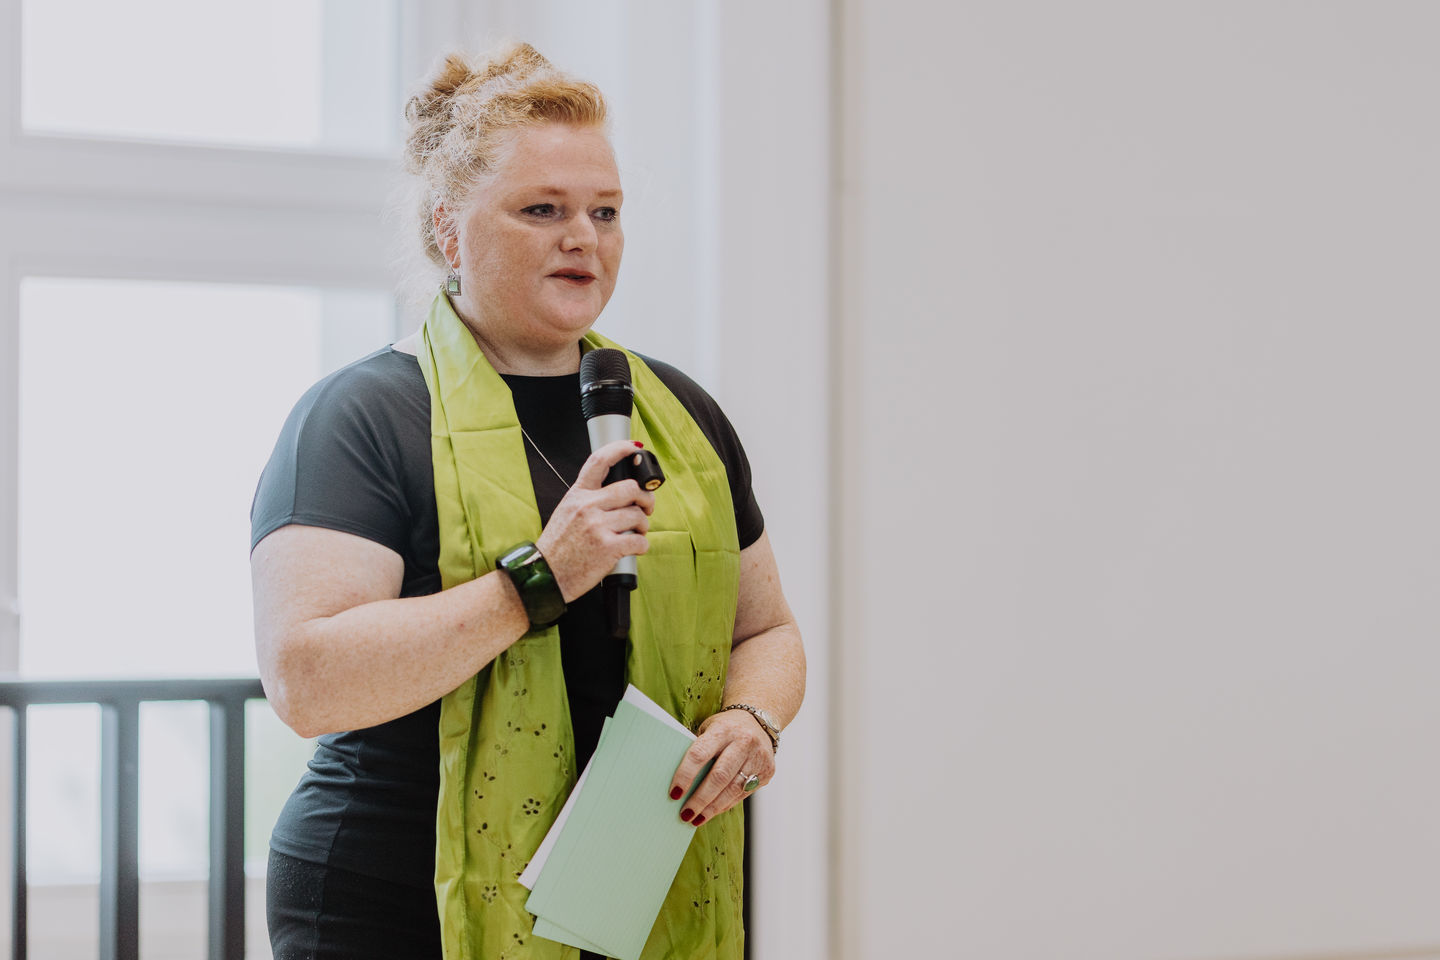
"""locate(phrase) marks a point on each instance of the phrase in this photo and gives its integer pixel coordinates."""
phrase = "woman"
(394, 620)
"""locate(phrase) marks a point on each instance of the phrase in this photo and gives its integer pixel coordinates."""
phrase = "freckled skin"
(551, 205)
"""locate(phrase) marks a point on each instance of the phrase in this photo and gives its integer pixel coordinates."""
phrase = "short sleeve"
(339, 462)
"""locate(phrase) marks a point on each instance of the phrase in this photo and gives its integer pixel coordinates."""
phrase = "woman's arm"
(767, 670)
(339, 649)
(767, 661)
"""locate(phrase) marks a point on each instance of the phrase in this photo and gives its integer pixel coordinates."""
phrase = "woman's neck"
(512, 358)
(509, 357)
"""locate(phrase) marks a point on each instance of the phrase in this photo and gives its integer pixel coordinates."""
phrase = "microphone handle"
(616, 587)
(607, 428)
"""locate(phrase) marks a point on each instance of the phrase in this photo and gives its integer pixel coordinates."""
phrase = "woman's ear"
(447, 237)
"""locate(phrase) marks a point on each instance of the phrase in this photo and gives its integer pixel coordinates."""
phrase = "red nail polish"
(675, 793)
(698, 821)
(639, 444)
(686, 814)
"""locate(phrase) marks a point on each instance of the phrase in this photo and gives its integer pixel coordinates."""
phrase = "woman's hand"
(741, 747)
(594, 526)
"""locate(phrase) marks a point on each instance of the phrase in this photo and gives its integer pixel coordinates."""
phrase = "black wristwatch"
(534, 582)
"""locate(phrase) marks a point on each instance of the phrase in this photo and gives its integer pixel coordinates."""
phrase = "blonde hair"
(464, 112)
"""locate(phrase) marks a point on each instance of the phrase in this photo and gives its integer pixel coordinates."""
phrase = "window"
(190, 235)
(295, 74)
(147, 410)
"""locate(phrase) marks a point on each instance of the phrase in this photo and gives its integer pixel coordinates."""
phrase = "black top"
(354, 455)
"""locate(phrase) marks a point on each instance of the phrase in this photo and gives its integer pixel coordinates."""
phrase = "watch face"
(518, 555)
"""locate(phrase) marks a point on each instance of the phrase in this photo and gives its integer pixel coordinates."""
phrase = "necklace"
(543, 457)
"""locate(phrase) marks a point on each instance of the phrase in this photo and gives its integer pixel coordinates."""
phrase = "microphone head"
(605, 383)
(604, 365)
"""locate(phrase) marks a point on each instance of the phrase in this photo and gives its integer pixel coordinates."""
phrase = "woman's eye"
(540, 210)
(607, 214)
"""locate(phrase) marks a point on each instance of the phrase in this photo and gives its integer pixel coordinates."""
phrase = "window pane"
(62, 794)
(298, 74)
(63, 830)
(174, 793)
(147, 411)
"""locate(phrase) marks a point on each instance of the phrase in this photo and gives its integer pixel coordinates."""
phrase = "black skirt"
(316, 912)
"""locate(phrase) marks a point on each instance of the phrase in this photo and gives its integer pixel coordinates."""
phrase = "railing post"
(120, 830)
(19, 888)
(227, 829)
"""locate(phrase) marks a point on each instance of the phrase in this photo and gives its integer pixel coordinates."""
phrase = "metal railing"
(119, 702)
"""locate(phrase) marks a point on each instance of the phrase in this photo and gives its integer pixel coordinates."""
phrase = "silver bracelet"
(762, 718)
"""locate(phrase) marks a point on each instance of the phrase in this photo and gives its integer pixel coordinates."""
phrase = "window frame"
(75, 206)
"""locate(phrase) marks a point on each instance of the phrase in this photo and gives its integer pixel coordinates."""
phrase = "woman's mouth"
(578, 278)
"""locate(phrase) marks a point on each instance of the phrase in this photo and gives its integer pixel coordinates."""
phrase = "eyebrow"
(561, 191)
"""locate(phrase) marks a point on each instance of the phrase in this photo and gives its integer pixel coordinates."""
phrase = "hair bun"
(432, 110)
(515, 61)
(432, 102)
(457, 75)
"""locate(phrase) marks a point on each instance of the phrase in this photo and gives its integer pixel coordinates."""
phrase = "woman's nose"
(580, 233)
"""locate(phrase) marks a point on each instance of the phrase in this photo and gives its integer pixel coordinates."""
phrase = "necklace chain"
(543, 457)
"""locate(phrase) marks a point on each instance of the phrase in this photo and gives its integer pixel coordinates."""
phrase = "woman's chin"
(574, 320)
(551, 334)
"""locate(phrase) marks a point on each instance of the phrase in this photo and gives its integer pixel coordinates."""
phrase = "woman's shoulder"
(377, 376)
(384, 389)
(353, 453)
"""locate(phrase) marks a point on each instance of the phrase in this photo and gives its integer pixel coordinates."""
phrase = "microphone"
(607, 399)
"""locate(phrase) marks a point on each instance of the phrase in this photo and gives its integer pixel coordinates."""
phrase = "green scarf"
(507, 758)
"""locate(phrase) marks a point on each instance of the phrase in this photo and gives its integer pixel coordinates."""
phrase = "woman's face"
(539, 240)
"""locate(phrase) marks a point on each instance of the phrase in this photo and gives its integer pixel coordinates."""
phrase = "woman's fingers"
(593, 526)
(620, 495)
(628, 519)
(731, 794)
(738, 750)
(597, 465)
(702, 804)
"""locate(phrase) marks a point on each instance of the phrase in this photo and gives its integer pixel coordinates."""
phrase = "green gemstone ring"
(751, 782)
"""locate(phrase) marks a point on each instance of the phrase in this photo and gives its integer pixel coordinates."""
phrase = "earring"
(452, 283)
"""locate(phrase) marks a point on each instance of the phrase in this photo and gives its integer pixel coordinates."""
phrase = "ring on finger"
(752, 782)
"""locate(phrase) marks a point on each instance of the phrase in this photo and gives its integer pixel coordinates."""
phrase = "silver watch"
(772, 730)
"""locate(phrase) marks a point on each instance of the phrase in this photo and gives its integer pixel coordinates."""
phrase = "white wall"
(1137, 597)
(770, 323)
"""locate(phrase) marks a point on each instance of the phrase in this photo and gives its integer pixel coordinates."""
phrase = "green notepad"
(616, 854)
(544, 928)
